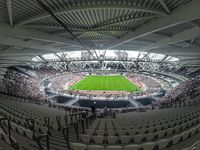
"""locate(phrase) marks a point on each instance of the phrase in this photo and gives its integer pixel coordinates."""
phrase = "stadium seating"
(155, 129)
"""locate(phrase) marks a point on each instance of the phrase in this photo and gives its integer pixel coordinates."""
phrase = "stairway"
(71, 102)
(135, 103)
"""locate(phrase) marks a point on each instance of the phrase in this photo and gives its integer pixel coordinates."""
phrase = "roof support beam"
(28, 44)
(117, 20)
(186, 13)
(49, 11)
(58, 56)
(9, 7)
(8, 31)
(185, 52)
(41, 57)
(92, 6)
(165, 6)
(178, 37)
(146, 54)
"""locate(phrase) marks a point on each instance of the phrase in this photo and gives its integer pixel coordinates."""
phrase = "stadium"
(99, 75)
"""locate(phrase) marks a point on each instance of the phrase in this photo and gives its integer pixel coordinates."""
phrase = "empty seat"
(176, 139)
(158, 128)
(98, 139)
(125, 139)
(152, 129)
(95, 147)
(114, 147)
(150, 136)
(148, 146)
(78, 146)
(29, 133)
(177, 129)
(185, 135)
(184, 126)
(121, 132)
(100, 132)
(90, 131)
(163, 143)
(20, 130)
(112, 139)
(111, 132)
(138, 138)
(169, 131)
(142, 131)
(85, 138)
(132, 147)
(192, 131)
(161, 133)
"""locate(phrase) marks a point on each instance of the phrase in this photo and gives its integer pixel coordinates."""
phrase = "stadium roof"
(30, 28)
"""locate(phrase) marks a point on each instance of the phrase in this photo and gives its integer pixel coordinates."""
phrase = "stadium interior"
(99, 74)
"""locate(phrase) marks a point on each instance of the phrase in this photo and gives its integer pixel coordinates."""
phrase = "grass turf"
(106, 83)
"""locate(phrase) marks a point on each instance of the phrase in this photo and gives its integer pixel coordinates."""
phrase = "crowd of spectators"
(187, 90)
(63, 81)
(187, 72)
(22, 85)
(148, 84)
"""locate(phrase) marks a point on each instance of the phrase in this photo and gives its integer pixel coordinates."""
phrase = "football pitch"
(105, 83)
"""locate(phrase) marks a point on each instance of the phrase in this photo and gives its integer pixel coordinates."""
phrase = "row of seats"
(125, 139)
(113, 127)
(152, 130)
(17, 112)
(183, 123)
(18, 116)
(160, 144)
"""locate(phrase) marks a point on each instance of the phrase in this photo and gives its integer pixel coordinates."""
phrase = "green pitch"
(106, 83)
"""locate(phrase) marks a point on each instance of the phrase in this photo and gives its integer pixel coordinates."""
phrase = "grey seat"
(176, 139)
(100, 132)
(138, 138)
(122, 132)
(112, 139)
(185, 135)
(29, 133)
(148, 146)
(125, 139)
(193, 131)
(161, 133)
(98, 139)
(85, 138)
(132, 147)
(95, 147)
(90, 131)
(150, 136)
(114, 147)
(111, 132)
(163, 143)
(78, 146)
(169, 131)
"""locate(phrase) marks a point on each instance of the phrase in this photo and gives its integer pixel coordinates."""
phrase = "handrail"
(193, 146)
(12, 140)
(38, 141)
(76, 129)
(47, 124)
(58, 118)
(65, 132)
(31, 125)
